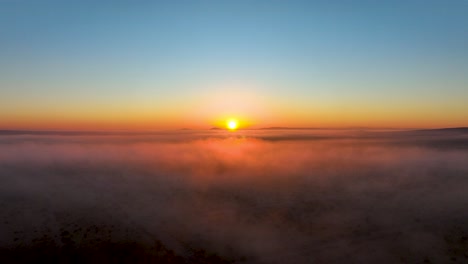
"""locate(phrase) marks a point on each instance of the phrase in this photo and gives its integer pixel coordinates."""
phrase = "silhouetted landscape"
(201, 196)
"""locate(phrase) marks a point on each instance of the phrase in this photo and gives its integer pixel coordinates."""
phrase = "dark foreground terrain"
(259, 196)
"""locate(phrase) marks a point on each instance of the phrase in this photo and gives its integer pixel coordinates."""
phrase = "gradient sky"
(175, 64)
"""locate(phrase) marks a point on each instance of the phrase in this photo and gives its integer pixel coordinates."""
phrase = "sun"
(232, 124)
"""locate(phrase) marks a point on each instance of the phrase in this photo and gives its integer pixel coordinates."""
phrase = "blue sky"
(330, 54)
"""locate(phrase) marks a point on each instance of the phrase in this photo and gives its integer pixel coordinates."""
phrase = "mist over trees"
(256, 197)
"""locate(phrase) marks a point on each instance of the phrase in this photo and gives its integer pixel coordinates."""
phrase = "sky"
(145, 65)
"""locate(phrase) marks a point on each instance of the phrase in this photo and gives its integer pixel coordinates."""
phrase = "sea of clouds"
(280, 196)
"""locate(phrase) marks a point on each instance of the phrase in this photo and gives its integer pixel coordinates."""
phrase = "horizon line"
(150, 131)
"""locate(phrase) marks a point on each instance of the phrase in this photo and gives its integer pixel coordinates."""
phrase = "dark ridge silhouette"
(305, 137)
(324, 128)
(293, 128)
(439, 131)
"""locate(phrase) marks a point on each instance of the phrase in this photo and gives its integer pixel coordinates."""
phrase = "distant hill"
(439, 131)
(289, 128)
(310, 128)
(450, 129)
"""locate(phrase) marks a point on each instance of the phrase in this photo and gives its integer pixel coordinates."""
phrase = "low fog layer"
(245, 197)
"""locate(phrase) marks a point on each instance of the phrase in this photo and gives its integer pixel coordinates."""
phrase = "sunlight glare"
(232, 124)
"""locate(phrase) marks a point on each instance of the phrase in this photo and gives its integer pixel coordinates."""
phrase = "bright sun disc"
(232, 124)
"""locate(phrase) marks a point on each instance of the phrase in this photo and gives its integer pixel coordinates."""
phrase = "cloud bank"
(250, 197)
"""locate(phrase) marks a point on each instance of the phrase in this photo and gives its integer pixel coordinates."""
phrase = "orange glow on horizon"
(155, 123)
(248, 110)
